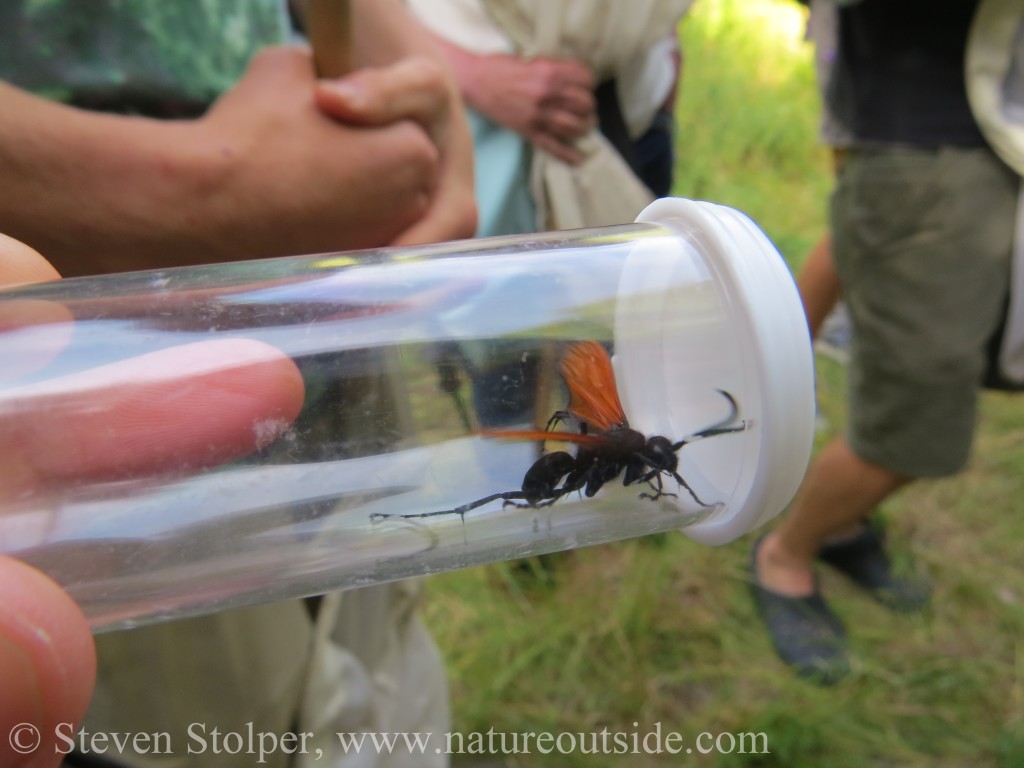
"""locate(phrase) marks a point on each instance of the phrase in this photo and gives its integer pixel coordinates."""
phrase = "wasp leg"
(660, 492)
(519, 504)
(653, 479)
(557, 418)
(693, 493)
(637, 472)
(508, 496)
(535, 504)
(658, 488)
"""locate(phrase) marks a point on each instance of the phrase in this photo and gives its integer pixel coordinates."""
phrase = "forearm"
(385, 31)
(466, 67)
(93, 191)
(262, 174)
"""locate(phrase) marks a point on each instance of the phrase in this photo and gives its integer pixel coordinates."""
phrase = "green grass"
(661, 630)
(748, 114)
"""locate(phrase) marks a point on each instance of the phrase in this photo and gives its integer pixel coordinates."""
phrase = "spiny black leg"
(690, 490)
(508, 496)
(658, 488)
(556, 418)
(657, 473)
(546, 502)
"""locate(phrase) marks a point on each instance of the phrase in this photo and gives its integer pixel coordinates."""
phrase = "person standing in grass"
(922, 221)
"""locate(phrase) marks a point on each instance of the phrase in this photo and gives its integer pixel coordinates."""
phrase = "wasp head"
(660, 454)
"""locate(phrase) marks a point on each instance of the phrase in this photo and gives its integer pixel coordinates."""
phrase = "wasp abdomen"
(541, 480)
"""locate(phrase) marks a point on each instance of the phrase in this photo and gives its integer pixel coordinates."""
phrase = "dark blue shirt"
(899, 73)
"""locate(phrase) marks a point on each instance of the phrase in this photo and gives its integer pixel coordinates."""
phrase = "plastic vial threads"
(159, 464)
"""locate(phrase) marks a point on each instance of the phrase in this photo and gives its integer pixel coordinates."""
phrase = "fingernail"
(352, 92)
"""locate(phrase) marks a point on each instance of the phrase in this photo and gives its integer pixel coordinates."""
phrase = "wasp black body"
(601, 456)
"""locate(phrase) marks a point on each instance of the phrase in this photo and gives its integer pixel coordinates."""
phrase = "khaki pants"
(922, 243)
(366, 665)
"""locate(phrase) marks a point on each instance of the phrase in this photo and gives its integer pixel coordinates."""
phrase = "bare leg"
(839, 492)
(818, 284)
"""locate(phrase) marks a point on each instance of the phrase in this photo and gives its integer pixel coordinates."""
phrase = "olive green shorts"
(922, 242)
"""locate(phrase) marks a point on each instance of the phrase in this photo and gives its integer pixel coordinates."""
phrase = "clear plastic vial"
(159, 465)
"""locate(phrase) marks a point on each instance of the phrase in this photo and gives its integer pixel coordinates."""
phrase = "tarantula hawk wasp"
(606, 446)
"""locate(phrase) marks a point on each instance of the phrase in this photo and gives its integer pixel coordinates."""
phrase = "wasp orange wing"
(593, 396)
(558, 437)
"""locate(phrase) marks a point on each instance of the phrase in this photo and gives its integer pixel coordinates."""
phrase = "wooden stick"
(329, 28)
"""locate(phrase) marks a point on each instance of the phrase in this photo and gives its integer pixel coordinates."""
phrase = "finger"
(412, 89)
(563, 125)
(179, 409)
(47, 325)
(567, 153)
(21, 264)
(47, 665)
(572, 74)
(452, 216)
(578, 101)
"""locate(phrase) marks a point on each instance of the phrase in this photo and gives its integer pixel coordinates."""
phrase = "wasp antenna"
(734, 411)
(723, 427)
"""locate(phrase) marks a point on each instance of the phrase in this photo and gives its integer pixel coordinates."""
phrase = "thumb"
(21, 264)
(412, 89)
(47, 665)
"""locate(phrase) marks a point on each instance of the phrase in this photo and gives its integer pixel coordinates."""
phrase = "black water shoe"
(864, 560)
(805, 633)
